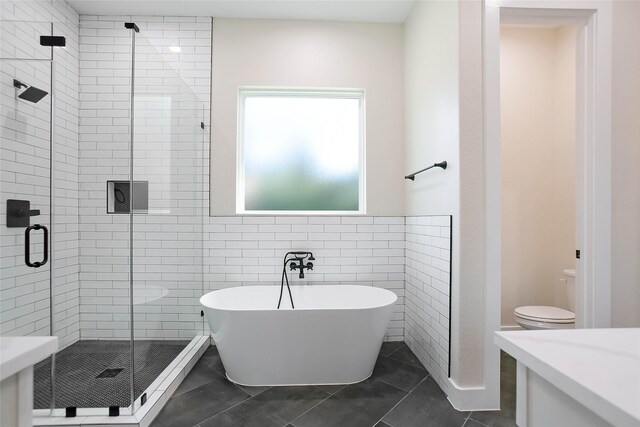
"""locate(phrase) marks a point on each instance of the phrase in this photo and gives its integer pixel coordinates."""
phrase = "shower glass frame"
(23, 65)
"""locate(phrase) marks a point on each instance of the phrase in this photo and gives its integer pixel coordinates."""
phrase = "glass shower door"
(167, 215)
(25, 197)
(41, 285)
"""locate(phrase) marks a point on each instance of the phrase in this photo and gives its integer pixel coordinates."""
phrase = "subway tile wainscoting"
(249, 250)
(428, 292)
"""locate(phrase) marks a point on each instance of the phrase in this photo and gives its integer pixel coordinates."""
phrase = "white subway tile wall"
(171, 86)
(249, 250)
(25, 151)
(427, 292)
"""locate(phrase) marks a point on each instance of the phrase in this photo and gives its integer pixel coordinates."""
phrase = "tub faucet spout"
(296, 262)
(300, 265)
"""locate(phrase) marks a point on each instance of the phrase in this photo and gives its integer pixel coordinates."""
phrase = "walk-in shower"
(121, 286)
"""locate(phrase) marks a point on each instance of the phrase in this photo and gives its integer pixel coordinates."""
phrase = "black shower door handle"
(27, 246)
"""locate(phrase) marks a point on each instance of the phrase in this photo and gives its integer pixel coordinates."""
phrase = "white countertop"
(17, 353)
(600, 368)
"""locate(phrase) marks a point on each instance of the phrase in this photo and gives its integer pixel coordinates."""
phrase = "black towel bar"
(442, 165)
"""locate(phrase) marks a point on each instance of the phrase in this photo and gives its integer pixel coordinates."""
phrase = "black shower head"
(32, 94)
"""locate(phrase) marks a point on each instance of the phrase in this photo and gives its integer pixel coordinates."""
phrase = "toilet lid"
(543, 313)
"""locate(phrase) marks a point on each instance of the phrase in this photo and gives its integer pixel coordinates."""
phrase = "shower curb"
(163, 387)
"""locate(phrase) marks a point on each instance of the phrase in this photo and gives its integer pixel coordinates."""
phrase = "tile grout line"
(254, 395)
(346, 385)
(401, 400)
(289, 422)
(202, 385)
(396, 350)
(475, 421)
(401, 389)
(466, 420)
(225, 410)
(409, 364)
(319, 403)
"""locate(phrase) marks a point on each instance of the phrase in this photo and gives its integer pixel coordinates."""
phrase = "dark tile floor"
(78, 365)
(400, 393)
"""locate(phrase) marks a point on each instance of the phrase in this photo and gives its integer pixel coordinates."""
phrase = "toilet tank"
(570, 287)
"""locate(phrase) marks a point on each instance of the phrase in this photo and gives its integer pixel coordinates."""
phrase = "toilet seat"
(545, 314)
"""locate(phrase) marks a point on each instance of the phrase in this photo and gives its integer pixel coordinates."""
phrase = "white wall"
(625, 279)
(431, 108)
(469, 302)
(432, 135)
(625, 292)
(312, 54)
(537, 90)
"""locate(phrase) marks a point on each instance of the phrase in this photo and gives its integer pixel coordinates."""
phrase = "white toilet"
(545, 317)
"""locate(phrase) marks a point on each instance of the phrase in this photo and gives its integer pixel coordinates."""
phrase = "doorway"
(592, 21)
(538, 162)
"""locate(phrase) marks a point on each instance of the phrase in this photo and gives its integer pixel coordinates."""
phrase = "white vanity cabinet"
(17, 357)
(576, 377)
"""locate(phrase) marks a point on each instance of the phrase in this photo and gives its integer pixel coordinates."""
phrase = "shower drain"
(109, 373)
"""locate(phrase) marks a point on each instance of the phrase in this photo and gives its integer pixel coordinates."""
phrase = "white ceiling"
(391, 11)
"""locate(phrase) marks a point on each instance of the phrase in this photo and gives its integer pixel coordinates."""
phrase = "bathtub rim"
(286, 309)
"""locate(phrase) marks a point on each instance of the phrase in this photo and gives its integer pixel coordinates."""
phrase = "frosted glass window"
(300, 151)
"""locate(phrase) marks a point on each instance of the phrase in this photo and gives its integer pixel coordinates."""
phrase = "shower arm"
(18, 84)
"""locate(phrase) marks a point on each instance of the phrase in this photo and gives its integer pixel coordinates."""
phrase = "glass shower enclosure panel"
(25, 195)
(43, 289)
(167, 199)
(29, 303)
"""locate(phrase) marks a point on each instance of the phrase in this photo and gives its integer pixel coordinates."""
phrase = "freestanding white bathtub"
(333, 336)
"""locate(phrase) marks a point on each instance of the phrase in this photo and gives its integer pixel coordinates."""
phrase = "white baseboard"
(472, 398)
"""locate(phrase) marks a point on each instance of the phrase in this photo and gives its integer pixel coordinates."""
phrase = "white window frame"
(272, 92)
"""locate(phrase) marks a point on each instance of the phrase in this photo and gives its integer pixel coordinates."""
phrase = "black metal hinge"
(578, 253)
(201, 313)
(202, 125)
(132, 26)
(53, 41)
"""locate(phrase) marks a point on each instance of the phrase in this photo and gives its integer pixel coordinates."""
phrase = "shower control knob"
(310, 265)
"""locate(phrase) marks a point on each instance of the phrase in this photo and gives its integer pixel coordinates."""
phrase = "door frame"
(593, 20)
